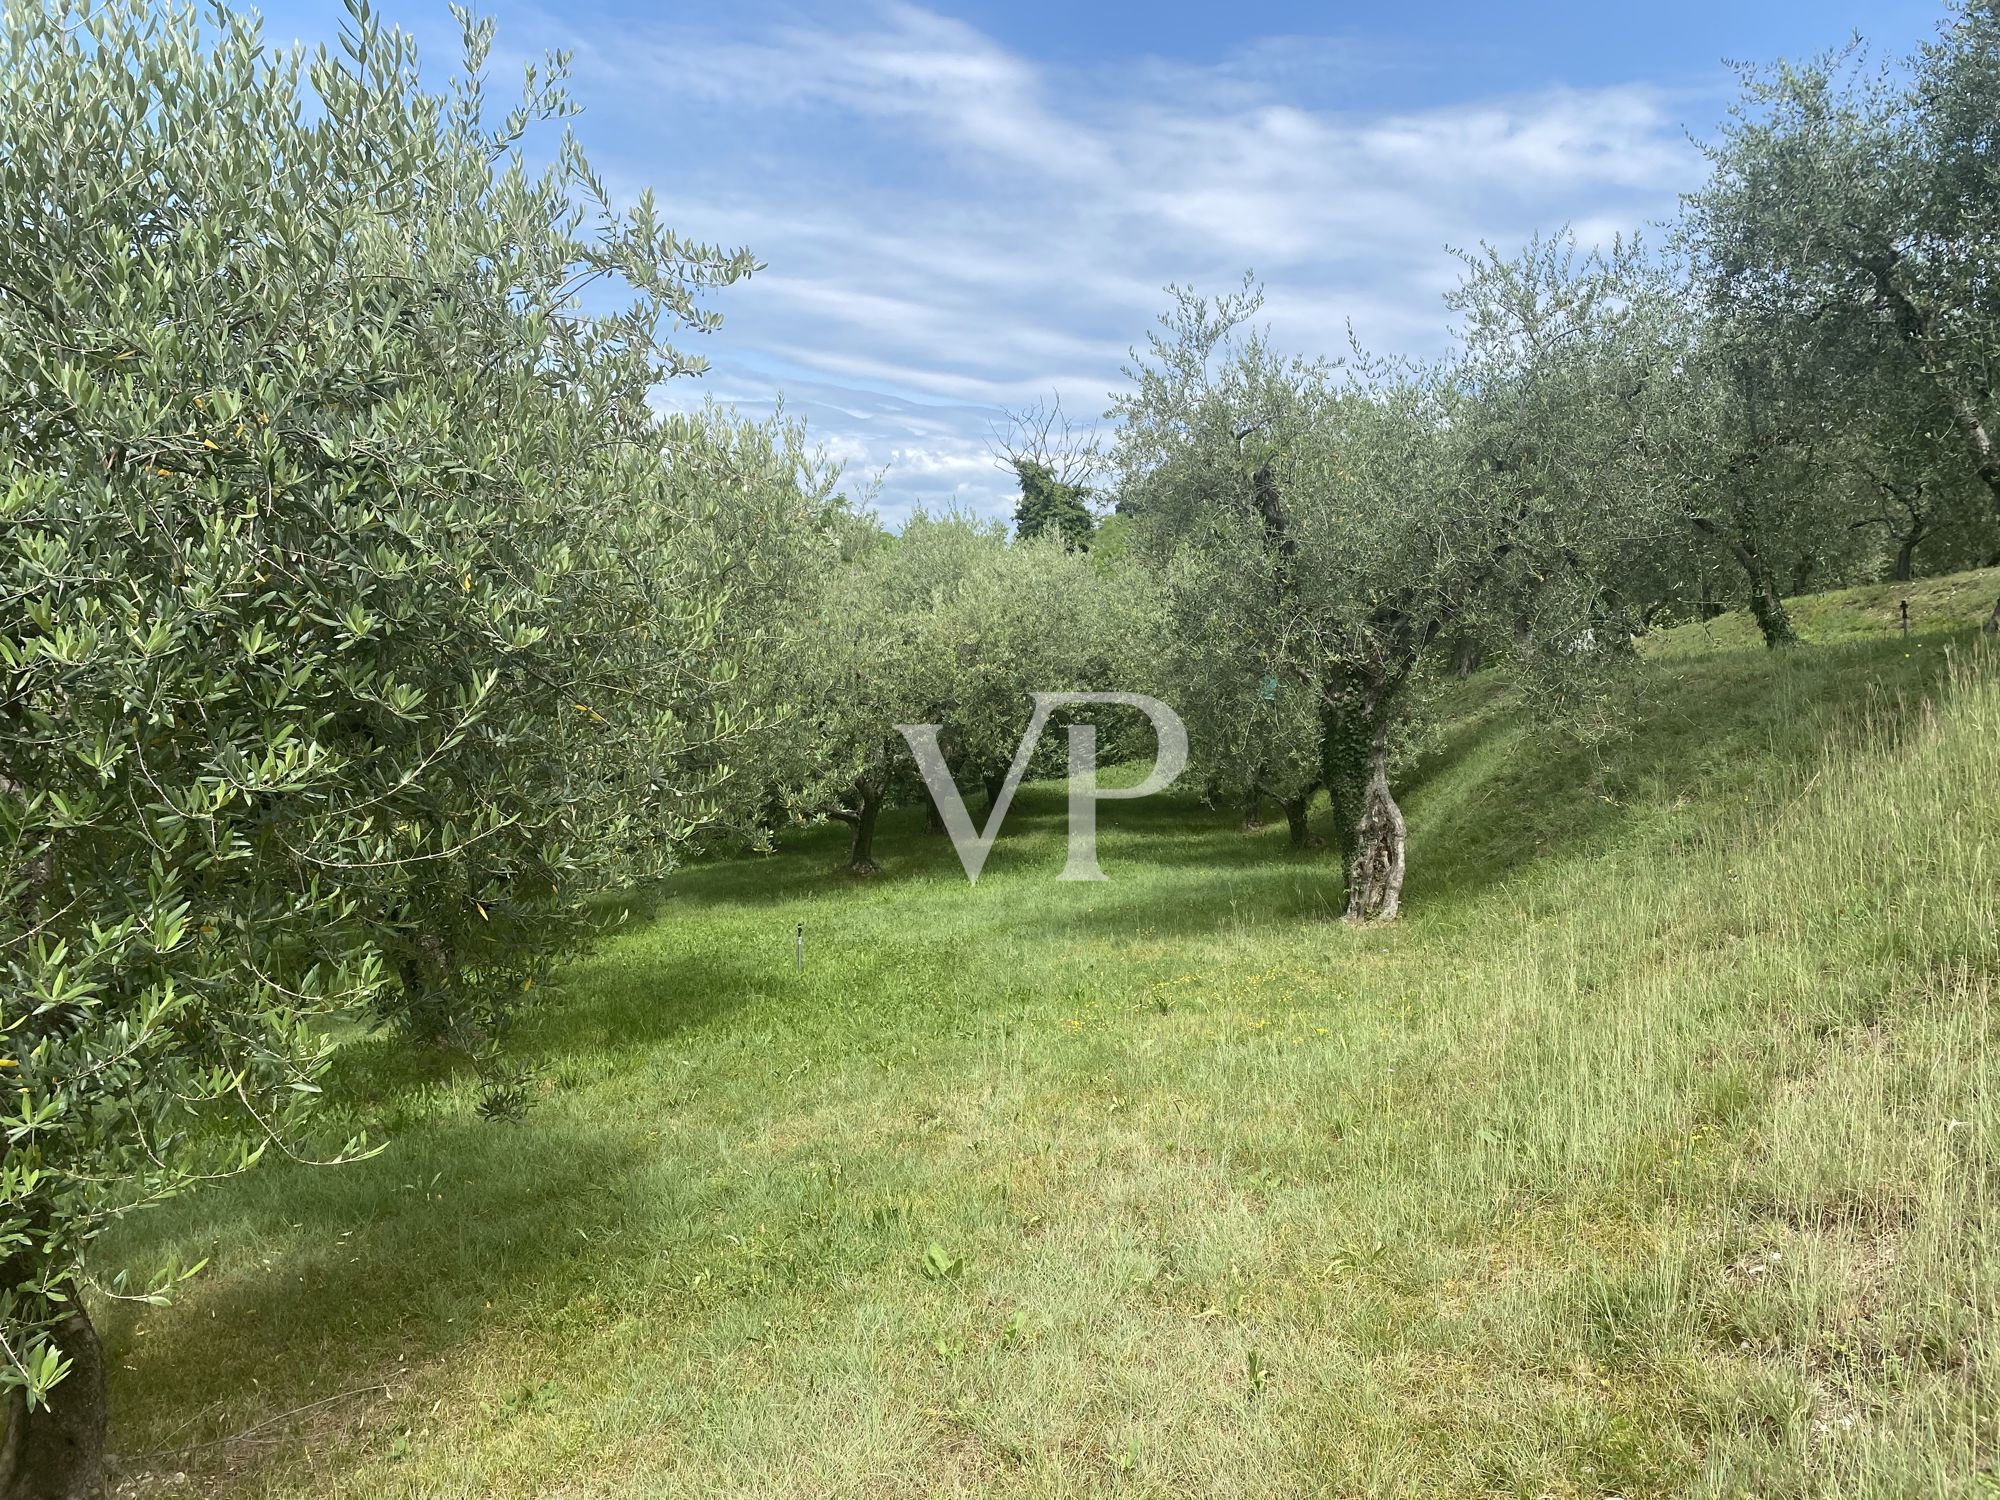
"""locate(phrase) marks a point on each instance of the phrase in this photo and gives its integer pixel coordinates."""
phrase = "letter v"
(972, 847)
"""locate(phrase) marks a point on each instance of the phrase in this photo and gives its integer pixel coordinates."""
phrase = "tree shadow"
(321, 1281)
(1495, 795)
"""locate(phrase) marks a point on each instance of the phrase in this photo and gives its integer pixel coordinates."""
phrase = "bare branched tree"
(1064, 448)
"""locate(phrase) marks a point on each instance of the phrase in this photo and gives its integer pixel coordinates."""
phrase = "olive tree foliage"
(1738, 436)
(945, 623)
(1562, 350)
(773, 513)
(1211, 411)
(1857, 211)
(1252, 709)
(1374, 518)
(1917, 499)
(873, 651)
(1033, 616)
(352, 633)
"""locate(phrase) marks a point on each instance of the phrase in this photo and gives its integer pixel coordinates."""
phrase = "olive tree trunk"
(1468, 652)
(1906, 557)
(1298, 811)
(861, 852)
(861, 816)
(1767, 603)
(56, 1452)
(1767, 608)
(1375, 875)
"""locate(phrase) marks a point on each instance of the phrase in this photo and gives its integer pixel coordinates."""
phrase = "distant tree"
(1055, 461)
(1210, 413)
(945, 623)
(878, 644)
(854, 674)
(1050, 508)
(1744, 441)
(1915, 500)
(1561, 351)
(1033, 617)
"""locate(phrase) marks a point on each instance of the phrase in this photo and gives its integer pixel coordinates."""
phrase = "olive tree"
(1028, 617)
(944, 623)
(1211, 409)
(1388, 513)
(1915, 501)
(873, 650)
(353, 635)
(774, 520)
(1862, 208)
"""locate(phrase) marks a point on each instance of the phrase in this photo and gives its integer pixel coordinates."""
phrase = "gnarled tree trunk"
(861, 818)
(1375, 875)
(1767, 604)
(1906, 557)
(56, 1452)
(1767, 608)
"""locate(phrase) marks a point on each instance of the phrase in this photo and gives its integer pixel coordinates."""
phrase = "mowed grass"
(1652, 1153)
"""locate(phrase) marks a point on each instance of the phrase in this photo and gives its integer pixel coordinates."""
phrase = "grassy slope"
(1650, 1154)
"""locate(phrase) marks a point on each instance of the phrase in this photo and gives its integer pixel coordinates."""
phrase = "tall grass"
(1651, 1154)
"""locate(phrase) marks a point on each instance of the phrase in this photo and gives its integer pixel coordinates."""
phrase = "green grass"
(1649, 1154)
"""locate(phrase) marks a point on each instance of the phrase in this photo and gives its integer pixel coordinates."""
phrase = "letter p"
(1085, 793)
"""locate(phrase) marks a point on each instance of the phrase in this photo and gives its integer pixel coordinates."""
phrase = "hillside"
(1649, 1154)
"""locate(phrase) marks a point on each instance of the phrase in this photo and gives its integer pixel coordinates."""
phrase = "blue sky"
(965, 209)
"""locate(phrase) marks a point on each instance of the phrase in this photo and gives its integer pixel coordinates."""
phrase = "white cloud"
(952, 229)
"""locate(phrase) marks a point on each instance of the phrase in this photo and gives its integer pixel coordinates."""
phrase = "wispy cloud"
(952, 228)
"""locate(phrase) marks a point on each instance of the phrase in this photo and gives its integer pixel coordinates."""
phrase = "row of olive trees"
(1843, 263)
(361, 616)
(1799, 394)
(1796, 395)
(1309, 549)
(946, 623)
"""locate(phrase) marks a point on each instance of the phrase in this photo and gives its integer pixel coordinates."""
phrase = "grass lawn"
(1651, 1153)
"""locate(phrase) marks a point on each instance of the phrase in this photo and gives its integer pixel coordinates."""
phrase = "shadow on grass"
(1493, 797)
(325, 1280)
